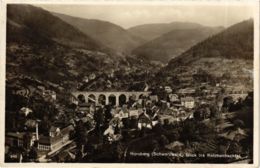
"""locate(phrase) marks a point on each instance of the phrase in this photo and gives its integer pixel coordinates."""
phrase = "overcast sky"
(132, 15)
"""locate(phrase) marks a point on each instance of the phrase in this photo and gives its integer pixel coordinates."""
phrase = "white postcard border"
(116, 2)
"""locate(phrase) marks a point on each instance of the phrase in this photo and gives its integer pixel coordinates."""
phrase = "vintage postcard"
(129, 83)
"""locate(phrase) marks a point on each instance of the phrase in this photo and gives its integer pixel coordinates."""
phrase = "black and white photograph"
(130, 83)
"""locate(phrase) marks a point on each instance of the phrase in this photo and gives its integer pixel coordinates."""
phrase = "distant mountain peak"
(235, 42)
(173, 43)
(151, 31)
(109, 34)
(42, 22)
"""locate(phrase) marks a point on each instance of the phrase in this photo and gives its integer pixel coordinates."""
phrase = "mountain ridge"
(154, 30)
(43, 23)
(240, 28)
(109, 34)
(226, 57)
(173, 43)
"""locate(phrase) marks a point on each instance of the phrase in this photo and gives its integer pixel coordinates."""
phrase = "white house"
(188, 102)
(173, 97)
(25, 111)
(168, 89)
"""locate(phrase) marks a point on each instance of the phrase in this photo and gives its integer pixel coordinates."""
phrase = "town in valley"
(89, 91)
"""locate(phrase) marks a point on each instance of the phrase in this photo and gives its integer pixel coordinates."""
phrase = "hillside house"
(173, 97)
(167, 119)
(188, 102)
(74, 100)
(49, 95)
(144, 121)
(54, 131)
(168, 89)
(14, 139)
(25, 111)
(237, 91)
(19, 139)
(154, 98)
(186, 92)
(185, 79)
(85, 79)
(58, 137)
(84, 107)
(92, 76)
(133, 113)
(31, 123)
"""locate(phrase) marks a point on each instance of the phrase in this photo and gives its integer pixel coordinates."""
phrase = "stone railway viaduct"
(117, 98)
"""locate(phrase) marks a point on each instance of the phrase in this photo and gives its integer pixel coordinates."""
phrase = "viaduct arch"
(104, 97)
